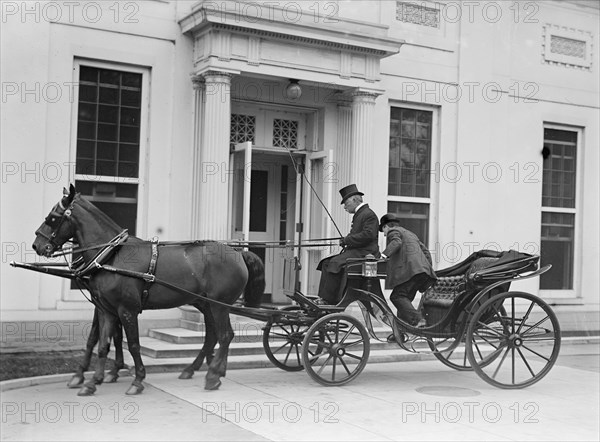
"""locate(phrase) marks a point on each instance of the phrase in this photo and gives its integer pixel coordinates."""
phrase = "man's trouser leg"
(402, 297)
(329, 286)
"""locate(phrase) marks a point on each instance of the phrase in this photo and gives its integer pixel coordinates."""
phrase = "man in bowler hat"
(361, 241)
(409, 267)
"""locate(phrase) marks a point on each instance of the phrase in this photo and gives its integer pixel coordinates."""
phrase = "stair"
(173, 349)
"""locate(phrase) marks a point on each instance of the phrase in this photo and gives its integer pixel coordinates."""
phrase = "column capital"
(364, 96)
(198, 81)
(216, 76)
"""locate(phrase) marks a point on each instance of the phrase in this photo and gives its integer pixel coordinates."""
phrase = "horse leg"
(113, 373)
(207, 351)
(107, 324)
(224, 333)
(129, 321)
(78, 378)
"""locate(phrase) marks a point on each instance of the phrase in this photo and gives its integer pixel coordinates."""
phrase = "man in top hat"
(361, 241)
(409, 267)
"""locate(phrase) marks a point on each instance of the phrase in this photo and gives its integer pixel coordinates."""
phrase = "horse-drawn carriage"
(474, 322)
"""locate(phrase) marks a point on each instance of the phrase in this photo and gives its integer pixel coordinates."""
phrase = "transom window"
(285, 133)
(243, 129)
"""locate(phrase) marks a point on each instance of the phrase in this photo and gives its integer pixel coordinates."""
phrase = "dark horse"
(209, 275)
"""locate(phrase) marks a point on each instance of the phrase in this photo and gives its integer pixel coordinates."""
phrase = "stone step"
(244, 332)
(260, 360)
(159, 349)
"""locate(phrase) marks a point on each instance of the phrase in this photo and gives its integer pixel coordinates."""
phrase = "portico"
(243, 62)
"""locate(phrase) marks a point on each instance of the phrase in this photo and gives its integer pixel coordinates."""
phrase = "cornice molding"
(310, 29)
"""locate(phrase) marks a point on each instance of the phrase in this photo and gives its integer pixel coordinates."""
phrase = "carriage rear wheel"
(282, 342)
(336, 349)
(519, 335)
(456, 357)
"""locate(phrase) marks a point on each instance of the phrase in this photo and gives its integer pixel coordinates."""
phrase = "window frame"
(434, 159)
(141, 218)
(574, 293)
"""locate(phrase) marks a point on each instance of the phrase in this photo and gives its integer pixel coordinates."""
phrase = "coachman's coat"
(361, 241)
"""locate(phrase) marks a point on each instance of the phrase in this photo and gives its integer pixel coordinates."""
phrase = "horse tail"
(255, 287)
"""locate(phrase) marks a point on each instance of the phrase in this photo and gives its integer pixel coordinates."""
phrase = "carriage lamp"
(369, 269)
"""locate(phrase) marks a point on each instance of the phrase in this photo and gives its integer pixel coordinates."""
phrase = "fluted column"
(342, 160)
(199, 86)
(361, 166)
(214, 167)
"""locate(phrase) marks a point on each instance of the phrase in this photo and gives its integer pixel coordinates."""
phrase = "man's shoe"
(320, 301)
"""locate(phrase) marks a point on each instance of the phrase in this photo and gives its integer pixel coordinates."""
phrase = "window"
(108, 134)
(409, 188)
(107, 168)
(559, 205)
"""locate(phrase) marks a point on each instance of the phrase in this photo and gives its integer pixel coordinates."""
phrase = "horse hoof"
(186, 374)
(87, 390)
(76, 381)
(111, 378)
(135, 389)
(211, 385)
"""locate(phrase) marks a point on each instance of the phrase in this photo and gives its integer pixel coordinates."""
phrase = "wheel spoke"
(347, 334)
(324, 365)
(536, 353)
(500, 363)
(524, 320)
(525, 362)
(345, 366)
(358, 358)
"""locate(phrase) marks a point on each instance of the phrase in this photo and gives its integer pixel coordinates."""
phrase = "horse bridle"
(55, 220)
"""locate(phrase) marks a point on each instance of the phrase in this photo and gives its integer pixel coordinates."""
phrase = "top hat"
(388, 217)
(349, 191)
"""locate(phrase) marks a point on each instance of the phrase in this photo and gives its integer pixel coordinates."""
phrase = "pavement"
(417, 400)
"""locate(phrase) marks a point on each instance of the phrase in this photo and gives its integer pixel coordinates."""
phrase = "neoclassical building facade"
(240, 121)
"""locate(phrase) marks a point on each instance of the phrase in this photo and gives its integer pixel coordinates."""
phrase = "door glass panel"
(258, 200)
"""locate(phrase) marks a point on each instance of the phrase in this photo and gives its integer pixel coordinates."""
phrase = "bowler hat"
(388, 217)
(349, 191)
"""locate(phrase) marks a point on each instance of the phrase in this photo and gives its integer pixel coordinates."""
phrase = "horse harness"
(150, 273)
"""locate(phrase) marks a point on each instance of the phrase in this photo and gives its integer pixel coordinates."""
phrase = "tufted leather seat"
(447, 288)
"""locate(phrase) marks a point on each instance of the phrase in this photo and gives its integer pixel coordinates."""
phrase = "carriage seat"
(447, 288)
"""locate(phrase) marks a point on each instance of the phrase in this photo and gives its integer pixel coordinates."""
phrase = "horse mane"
(99, 215)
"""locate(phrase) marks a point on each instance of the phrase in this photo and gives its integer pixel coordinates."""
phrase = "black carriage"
(511, 339)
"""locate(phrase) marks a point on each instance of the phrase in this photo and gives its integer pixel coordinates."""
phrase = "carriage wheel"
(522, 340)
(457, 357)
(341, 355)
(283, 343)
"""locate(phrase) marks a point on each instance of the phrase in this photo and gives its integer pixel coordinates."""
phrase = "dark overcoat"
(408, 257)
(361, 240)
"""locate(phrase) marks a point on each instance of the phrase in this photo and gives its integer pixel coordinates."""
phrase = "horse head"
(58, 227)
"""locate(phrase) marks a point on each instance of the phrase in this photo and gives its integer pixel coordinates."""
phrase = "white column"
(342, 159)
(198, 83)
(361, 166)
(214, 167)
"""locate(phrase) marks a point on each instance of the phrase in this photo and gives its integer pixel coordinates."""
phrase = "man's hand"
(342, 243)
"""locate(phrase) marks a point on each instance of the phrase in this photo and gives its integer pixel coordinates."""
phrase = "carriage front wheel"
(519, 336)
(282, 341)
(335, 349)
